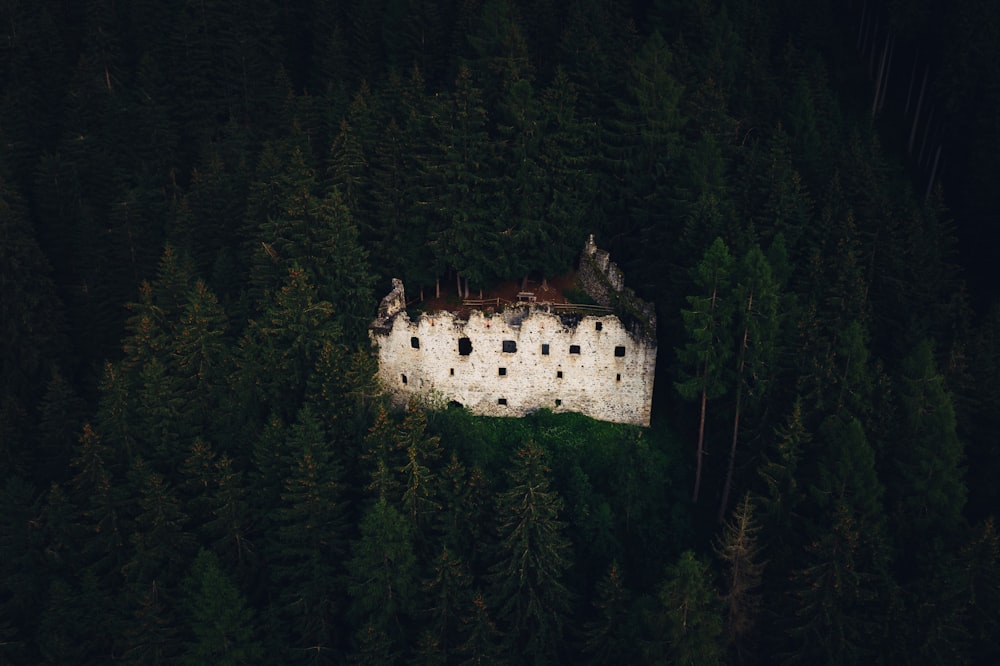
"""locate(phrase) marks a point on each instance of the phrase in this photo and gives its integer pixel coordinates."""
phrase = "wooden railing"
(481, 302)
(579, 307)
(583, 308)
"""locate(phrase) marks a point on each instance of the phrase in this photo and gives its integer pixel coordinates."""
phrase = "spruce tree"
(757, 320)
(842, 591)
(382, 573)
(218, 617)
(528, 584)
(929, 493)
(448, 603)
(707, 351)
(306, 542)
(693, 618)
(482, 646)
(611, 637)
(741, 554)
(421, 495)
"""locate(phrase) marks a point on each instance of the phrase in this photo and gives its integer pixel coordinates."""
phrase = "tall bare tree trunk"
(909, 91)
(724, 504)
(861, 27)
(916, 117)
(930, 183)
(888, 70)
(878, 80)
(923, 141)
(701, 423)
(701, 439)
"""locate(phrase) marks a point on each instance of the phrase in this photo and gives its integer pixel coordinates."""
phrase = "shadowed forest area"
(201, 203)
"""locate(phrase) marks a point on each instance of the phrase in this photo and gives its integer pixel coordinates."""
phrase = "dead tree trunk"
(701, 437)
(723, 505)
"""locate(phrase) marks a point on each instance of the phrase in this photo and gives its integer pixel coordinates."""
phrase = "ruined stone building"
(597, 361)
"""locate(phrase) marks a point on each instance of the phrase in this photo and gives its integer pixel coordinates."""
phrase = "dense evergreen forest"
(202, 201)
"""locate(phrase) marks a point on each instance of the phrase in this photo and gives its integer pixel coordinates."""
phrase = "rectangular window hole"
(404, 378)
(452, 372)
(509, 346)
(464, 346)
(545, 350)
(599, 326)
(503, 372)
(619, 351)
(502, 401)
(415, 342)
(558, 402)
(618, 377)
(558, 374)
(574, 349)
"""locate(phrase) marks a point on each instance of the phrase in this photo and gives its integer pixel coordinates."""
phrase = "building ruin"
(595, 360)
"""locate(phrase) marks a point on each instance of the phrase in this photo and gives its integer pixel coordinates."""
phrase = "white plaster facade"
(591, 365)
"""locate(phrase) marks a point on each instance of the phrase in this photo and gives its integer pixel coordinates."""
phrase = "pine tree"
(980, 560)
(500, 53)
(307, 541)
(230, 527)
(463, 171)
(930, 488)
(69, 630)
(161, 543)
(694, 625)
(780, 503)
(158, 416)
(277, 354)
(149, 634)
(383, 457)
(449, 602)
(102, 498)
(530, 594)
(22, 586)
(382, 572)
(611, 637)
(843, 588)
(741, 553)
(757, 319)
(647, 144)
(60, 417)
(706, 351)
(199, 357)
(421, 498)
(218, 617)
(466, 512)
(482, 645)
(30, 325)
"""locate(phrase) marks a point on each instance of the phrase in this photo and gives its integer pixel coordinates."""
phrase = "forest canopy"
(201, 203)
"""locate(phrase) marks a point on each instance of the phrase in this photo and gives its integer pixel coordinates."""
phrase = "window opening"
(452, 372)
(545, 350)
(464, 346)
(415, 342)
(558, 402)
(618, 377)
(509, 346)
(599, 326)
(619, 351)
(503, 372)
(574, 349)
(502, 401)
(559, 374)
(404, 378)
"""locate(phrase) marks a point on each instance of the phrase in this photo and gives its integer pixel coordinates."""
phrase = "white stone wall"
(594, 382)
